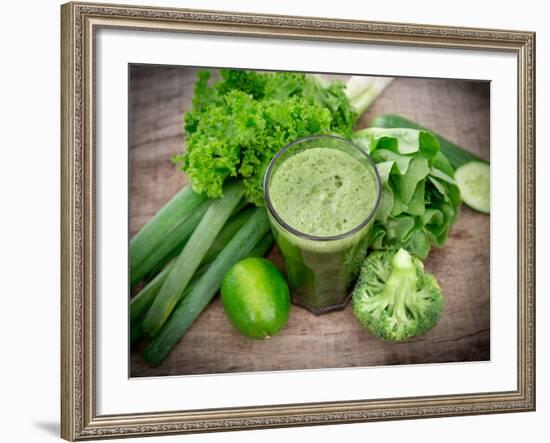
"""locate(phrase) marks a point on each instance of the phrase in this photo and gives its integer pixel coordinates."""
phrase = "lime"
(256, 298)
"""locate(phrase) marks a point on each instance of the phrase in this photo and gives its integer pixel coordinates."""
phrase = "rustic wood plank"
(459, 110)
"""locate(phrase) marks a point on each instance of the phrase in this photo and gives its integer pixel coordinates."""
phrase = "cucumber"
(457, 155)
(473, 180)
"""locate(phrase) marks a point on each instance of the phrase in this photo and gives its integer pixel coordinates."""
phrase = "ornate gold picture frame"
(80, 21)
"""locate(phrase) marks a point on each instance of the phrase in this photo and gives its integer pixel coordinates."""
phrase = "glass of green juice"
(322, 193)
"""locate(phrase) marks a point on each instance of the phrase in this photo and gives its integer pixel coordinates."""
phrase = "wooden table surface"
(459, 110)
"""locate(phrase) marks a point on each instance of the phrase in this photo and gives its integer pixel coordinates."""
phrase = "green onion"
(191, 256)
(457, 155)
(136, 317)
(136, 332)
(263, 246)
(143, 300)
(140, 303)
(229, 230)
(136, 325)
(194, 221)
(240, 246)
(159, 227)
(170, 246)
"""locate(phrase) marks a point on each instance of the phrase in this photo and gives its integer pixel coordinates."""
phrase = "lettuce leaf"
(420, 199)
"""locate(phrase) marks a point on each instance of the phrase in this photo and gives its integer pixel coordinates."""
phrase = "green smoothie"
(322, 193)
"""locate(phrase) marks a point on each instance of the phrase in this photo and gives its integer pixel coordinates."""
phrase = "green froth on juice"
(323, 192)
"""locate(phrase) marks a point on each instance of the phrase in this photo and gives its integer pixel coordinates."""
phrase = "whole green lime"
(256, 298)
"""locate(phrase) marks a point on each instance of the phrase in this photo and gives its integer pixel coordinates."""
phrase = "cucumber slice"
(473, 180)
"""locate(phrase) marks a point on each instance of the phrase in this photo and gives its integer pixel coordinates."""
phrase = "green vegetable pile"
(239, 123)
(394, 298)
(235, 127)
(420, 199)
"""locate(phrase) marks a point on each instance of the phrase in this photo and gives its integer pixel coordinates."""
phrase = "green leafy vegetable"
(394, 298)
(420, 199)
(239, 123)
(457, 155)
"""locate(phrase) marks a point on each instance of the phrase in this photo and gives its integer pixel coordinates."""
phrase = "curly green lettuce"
(237, 124)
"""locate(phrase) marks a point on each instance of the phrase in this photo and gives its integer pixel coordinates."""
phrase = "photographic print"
(288, 220)
(292, 221)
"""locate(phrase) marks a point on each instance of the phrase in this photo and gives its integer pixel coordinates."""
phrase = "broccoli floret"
(394, 298)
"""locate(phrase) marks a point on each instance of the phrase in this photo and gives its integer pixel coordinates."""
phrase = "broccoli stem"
(402, 260)
(401, 283)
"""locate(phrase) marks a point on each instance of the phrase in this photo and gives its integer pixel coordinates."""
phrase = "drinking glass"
(321, 269)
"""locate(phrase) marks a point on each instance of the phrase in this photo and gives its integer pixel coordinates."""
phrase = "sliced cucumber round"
(473, 180)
